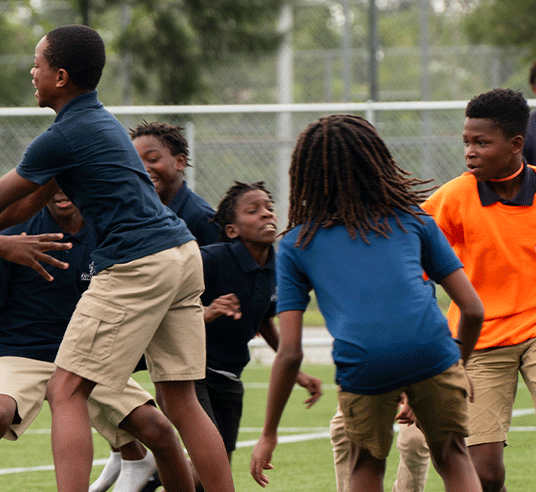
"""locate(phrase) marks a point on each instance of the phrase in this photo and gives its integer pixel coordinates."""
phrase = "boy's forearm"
(468, 332)
(283, 377)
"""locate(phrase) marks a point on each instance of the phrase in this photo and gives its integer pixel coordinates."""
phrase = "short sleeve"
(293, 286)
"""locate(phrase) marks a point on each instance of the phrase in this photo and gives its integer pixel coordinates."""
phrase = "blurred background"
(244, 77)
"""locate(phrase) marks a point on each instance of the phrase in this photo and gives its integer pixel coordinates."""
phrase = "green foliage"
(504, 23)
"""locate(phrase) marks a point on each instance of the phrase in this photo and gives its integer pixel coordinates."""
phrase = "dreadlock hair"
(342, 173)
(169, 135)
(226, 212)
(79, 50)
(507, 109)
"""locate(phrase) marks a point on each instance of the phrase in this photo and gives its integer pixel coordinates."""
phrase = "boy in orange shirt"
(489, 217)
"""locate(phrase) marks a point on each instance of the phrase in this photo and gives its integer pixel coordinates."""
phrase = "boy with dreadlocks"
(239, 302)
(349, 197)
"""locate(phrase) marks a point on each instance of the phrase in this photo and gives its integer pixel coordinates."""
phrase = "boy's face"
(60, 207)
(488, 153)
(165, 170)
(255, 219)
(44, 77)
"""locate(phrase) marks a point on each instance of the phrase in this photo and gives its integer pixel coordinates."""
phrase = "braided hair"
(342, 173)
(169, 135)
(226, 212)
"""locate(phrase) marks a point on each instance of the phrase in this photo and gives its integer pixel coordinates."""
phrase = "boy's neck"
(67, 97)
(510, 188)
(259, 252)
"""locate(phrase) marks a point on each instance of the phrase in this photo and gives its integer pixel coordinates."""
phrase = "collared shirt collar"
(246, 261)
(524, 197)
(83, 101)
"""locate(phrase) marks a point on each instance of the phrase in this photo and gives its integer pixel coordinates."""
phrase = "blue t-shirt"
(388, 329)
(229, 268)
(34, 313)
(196, 212)
(96, 165)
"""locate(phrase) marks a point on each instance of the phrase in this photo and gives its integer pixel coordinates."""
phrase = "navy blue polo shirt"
(196, 212)
(96, 165)
(525, 195)
(34, 313)
(229, 268)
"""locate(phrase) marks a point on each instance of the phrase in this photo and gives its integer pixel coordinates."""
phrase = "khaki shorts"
(151, 304)
(25, 381)
(439, 404)
(495, 374)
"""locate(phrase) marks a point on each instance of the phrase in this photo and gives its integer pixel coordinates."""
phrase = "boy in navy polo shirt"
(239, 303)
(34, 315)
(164, 152)
(147, 267)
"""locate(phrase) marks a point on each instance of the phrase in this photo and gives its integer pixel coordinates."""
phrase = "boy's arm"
(311, 384)
(462, 292)
(21, 199)
(284, 372)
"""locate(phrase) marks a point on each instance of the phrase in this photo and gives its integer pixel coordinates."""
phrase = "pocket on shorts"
(96, 322)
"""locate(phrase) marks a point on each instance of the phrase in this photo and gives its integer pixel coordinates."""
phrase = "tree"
(503, 23)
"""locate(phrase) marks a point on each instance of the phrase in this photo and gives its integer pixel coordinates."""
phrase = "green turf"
(303, 465)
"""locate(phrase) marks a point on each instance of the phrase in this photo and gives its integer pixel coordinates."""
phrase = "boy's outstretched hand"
(261, 459)
(312, 385)
(29, 251)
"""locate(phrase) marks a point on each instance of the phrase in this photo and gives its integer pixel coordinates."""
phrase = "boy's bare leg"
(453, 463)
(72, 442)
(200, 436)
(489, 464)
(366, 471)
(153, 429)
(8, 409)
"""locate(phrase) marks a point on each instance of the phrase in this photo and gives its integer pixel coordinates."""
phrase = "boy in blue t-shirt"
(357, 236)
(147, 271)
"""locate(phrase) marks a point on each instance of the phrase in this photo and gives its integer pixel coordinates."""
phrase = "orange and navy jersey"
(496, 243)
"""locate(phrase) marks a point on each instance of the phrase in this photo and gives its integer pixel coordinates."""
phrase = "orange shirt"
(497, 246)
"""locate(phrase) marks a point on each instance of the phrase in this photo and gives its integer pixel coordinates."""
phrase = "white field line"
(311, 433)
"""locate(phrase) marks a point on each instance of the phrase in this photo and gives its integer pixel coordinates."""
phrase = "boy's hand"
(29, 251)
(312, 385)
(261, 458)
(405, 415)
(227, 305)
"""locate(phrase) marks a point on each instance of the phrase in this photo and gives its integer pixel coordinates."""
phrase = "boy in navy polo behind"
(164, 152)
(147, 268)
(239, 303)
(34, 315)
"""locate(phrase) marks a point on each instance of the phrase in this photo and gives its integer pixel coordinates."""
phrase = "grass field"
(304, 463)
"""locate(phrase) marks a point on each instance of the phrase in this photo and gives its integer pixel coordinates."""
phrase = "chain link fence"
(254, 142)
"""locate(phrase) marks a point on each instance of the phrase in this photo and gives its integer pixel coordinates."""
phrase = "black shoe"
(152, 484)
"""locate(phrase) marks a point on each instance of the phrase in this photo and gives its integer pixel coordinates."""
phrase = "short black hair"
(508, 109)
(226, 212)
(170, 135)
(79, 50)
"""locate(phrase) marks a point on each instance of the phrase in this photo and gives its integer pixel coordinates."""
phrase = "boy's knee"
(150, 426)
(492, 477)
(8, 410)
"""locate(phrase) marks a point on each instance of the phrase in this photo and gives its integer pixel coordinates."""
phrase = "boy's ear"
(62, 78)
(182, 161)
(517, 143)
(230, 230)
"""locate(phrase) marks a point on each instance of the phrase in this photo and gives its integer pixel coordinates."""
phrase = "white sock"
(135, 474)
(109, 474)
